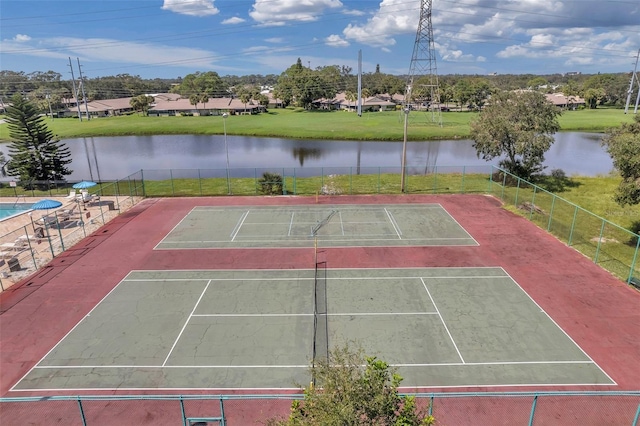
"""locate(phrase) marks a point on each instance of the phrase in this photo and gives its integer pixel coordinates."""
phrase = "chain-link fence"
(315, 180)
(609, 245)
(451, 409)
(45, 235)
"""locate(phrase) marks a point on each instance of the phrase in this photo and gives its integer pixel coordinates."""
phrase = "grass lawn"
(300, 124)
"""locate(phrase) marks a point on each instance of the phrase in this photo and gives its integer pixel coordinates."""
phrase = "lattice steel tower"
(423, 67)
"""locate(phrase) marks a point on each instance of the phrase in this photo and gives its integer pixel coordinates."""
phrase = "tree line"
(299, 85)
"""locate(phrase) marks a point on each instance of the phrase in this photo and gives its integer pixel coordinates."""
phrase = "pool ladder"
(24, 199)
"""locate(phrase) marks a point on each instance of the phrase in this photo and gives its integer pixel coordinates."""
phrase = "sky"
(173, 38)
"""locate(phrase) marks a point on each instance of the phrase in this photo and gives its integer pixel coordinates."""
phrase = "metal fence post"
(431, 404)
(595, 258)
(633, 267)
(295, 182)
(82, 417)
(462, 189)
(504, 184)
(184, 415)
(255, 180)
(533, 202)
(173, 193)
(200, 182)
(378, 180)
(553, 202)
(533, 409)
(350, 180)
(284, 182)
(435, 178)
(222, 418)
(637, 417)
(573, 224)
(515, 201)
(144, 194)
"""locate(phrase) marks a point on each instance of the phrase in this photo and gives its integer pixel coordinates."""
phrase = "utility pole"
(75, 92)
(84, 95)
(634, 76)
(48, 96)
(359, 83)
(423, 64)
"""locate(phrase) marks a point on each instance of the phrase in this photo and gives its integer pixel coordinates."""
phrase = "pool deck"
(23, 223)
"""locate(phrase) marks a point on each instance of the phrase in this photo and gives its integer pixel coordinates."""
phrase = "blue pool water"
(11, 209)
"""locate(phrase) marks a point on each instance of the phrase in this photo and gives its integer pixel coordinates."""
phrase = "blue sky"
(172, 38)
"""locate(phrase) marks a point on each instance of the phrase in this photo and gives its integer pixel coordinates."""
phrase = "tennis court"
(261, 329)
(329, 225)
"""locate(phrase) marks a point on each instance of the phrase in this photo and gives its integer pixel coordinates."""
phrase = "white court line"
(173, 229)
(347, 314)
(186, 323)
(458, 223)
(434, 364)
(235, 231)
(70, 367)
(341, 222)
(560, 328)
(70, 331)
(275, 390)
(393, 223)
(252, 315)
(442, 319)
(328, 238)
(465, 364)
(291, 224)
(472, 277)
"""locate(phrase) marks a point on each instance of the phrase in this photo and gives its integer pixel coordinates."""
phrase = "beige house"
(563, 101)
(214, 106)
(372, 103)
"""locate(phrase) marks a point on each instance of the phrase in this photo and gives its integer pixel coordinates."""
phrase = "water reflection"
(117, 157)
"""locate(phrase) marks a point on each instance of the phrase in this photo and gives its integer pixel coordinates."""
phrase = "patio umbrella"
(45, 205)
(84, 184)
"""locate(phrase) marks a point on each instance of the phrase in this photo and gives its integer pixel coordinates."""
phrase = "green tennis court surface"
(252, 329)
(331, 226)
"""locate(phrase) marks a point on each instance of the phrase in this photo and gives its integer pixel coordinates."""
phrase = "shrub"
(271, 184)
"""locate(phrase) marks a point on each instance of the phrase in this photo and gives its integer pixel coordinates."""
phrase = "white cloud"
(21, 38)
(191, 7)
(394, 17)
(110, 50)
(335, 40)
(233, 21)
(275, 40)
(280, 12)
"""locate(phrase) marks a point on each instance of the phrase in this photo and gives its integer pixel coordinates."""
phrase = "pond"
(111, 158)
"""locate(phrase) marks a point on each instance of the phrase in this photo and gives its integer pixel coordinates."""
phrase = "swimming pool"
(8, 210)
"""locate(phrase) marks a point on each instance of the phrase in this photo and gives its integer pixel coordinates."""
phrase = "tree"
(141, 103)
(593, 97)
(301, 86)
(354, 389)
(36, 154)
(518, 125)
(623, 145)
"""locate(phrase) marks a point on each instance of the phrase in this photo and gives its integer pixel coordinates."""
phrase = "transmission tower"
(423, 66)
(634, 76)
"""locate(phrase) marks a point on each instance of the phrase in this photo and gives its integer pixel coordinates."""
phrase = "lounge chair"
(47, 221)
(67, 213)
(90, 198)
(72, 195)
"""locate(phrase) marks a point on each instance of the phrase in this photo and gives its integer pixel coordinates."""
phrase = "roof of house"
(183, 104)
(562, 99)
